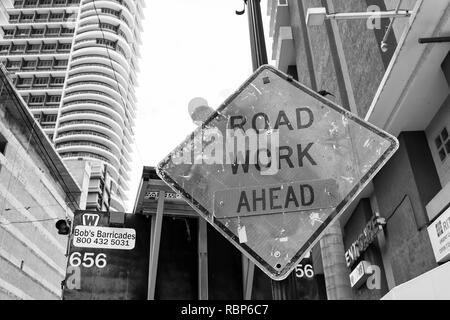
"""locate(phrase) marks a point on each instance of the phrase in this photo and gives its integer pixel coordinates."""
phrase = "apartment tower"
(74, 63)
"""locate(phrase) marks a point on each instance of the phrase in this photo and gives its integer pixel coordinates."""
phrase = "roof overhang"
(414, 86)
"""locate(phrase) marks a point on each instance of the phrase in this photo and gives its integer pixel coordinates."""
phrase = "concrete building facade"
(36, 190)
(74, 62)
(388, 237)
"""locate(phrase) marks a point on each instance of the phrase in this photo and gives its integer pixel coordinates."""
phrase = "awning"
(414, 86)
(433, 285)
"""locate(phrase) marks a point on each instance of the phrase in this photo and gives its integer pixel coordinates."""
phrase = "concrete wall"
(402, 203)
(347, 61)
(32, 254)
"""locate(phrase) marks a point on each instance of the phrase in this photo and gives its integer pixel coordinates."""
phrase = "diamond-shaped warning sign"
(274, 166)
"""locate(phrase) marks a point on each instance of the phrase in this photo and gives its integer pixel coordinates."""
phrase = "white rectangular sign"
(104, 238)
(359, 274)
(439, 232)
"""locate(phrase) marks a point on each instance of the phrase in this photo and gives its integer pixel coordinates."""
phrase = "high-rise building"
(74, 62)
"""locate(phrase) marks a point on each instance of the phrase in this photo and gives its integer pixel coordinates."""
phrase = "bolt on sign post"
(274, 166)
(108, 257)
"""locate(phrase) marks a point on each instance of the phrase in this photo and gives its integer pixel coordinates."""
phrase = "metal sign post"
(274, 166)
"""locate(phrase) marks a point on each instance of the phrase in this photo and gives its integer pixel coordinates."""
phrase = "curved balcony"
(99, 88)
(101, 52)
(94, 106)
(99, 63)
(95, 95)
(92, 24)
(90, 39)
(79, 125)
(88, 135)
(91, 115)
(89, 147)
(97, 77)
(123, 12)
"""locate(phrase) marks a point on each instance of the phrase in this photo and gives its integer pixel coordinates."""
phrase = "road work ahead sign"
(274, 166)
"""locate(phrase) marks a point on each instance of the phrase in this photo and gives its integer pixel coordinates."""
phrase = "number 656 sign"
(88, 260)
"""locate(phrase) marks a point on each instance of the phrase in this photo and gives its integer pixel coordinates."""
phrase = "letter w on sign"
(91, 219)
(323, 158)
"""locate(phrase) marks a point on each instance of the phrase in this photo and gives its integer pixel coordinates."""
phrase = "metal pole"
(155, 241)
(259, 58)
(257, 41)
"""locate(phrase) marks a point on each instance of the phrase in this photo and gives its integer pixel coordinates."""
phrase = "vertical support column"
(259, 58)
(155, 240)
(387, 265)
(342, 61)
(248, 271)
(334, 267)
(202, 259)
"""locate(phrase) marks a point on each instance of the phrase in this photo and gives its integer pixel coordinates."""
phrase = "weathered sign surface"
(274, 165)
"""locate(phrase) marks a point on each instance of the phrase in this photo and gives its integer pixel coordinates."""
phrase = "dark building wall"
(353, 228)
(177, 276)
(317, 56)
(300, 34)
(324, 57)
(361, 46)
(224, 268)
(397, 188)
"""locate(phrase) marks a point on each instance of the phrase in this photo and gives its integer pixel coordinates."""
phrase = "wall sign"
(439, 232)
(364, 240)
(359, 274)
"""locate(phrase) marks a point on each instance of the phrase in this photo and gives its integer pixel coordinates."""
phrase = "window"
(36, 99)
(61, 63)
(22, 32)
(29, 64)
(37, 32)
(443, 144)
(49, 118)
(52, 32)
(3, 143)
(13, 17)
(13, 65)
(54, 99)
(33, 47)
(40, 81)
(4, 48)
(9, 33)
(57, 80)
(48, 46)
(107, 43)
(18, 48)
(64, 46)
(45, 64)
(24, 81)
(41, 17)
(109, 26)
(66, 31)
(27, 17)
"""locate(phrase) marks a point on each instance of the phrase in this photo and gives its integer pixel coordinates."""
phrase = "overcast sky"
(191, 48)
